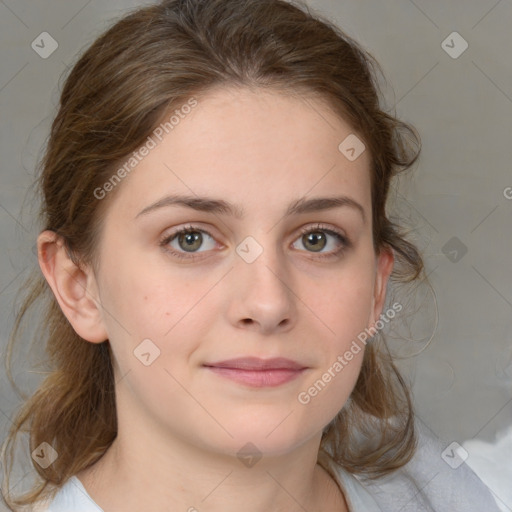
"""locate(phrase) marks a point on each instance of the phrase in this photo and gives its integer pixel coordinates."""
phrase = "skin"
(181, 425)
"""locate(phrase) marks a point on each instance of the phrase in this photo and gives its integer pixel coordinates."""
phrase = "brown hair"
(150, 61)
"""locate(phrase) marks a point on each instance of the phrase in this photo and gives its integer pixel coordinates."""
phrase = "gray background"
(455, 199)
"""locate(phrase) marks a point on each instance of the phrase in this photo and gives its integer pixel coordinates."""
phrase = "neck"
(150, 475)
(152, 467)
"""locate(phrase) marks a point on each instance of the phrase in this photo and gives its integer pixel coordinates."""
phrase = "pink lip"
(256, 372)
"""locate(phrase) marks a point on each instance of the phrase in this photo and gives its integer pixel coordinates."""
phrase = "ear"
(75, 288)
(385, 263)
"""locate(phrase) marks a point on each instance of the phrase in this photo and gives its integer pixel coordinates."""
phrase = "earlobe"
(74, 288)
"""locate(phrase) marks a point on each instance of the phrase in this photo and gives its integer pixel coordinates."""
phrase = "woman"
(215, 256)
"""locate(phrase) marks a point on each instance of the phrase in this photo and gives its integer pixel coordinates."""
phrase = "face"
(259, 281)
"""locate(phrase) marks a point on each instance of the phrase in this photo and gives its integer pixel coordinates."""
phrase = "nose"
(263, 299)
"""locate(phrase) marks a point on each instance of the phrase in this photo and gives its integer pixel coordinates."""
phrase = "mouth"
(256, 372)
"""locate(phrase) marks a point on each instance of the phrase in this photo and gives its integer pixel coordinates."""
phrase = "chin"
(261, 439)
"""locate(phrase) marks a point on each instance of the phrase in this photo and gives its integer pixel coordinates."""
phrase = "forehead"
(255, 147)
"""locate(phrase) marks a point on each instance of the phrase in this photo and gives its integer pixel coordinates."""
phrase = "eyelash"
(345, 243)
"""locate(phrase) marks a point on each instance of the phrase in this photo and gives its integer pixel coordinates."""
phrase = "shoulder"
(436, 479)
(72, 496)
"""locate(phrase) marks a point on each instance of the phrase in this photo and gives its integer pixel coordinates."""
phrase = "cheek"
(345, 303)
(144, 297)
(138, 302)
(149, 305)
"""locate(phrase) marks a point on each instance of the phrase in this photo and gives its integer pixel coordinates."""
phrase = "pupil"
(314, 238)
(190, 238)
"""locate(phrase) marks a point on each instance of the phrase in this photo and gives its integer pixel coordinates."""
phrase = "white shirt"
(426, 484)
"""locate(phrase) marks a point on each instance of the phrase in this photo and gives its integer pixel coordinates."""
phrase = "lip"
(256, 363)
(256, 372)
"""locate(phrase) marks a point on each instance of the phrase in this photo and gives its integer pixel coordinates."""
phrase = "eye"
(316, 239)
(186, 242)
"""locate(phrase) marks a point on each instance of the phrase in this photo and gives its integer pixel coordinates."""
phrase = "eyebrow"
(219, 206)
